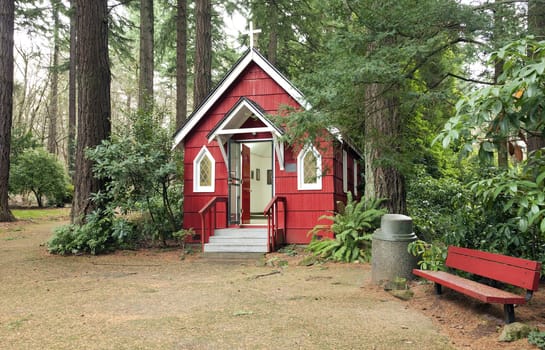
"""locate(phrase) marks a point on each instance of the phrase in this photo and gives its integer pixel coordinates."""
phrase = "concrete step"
(240, 236)
(238, 240)
(241, 233)
(232, 256)
(213, 248)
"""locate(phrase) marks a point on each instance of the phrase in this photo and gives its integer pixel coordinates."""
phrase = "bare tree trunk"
(203, 51)
(499, 33)
(7, 14)
(145, 88)
(93, 99)
(382, 136)
(54, 91)
(536, 27)
(72, 91)
(273, 34)
(181, 64)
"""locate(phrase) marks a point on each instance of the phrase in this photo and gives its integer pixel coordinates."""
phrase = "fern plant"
(352, 226)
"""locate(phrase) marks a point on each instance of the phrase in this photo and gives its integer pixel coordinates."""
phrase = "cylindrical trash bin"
(390, 258)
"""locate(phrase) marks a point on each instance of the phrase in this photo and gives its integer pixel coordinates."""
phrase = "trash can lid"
(395, 227)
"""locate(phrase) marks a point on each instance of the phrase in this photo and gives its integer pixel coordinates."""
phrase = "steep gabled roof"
(250, 56)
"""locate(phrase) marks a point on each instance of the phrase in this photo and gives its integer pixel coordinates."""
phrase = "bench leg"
(438, 288)
(509, 311)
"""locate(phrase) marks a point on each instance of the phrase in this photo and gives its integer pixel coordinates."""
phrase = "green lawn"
(40, 213)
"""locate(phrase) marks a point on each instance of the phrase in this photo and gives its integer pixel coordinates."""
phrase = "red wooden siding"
(305, 207)
(253, 83)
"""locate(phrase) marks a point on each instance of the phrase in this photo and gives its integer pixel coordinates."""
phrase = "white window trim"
(301, 185)
(345, 171)
(204, 152)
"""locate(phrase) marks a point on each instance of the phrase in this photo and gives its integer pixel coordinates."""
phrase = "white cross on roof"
(251, 33)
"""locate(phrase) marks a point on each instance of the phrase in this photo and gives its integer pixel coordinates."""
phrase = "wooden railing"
(208, 213)
(276, 222)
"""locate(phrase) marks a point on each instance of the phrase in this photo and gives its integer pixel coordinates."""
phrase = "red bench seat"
(514, 271)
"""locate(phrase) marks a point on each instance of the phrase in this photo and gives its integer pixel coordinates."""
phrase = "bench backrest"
(514, 271)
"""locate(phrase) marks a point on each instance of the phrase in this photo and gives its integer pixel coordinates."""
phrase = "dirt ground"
(153, 299)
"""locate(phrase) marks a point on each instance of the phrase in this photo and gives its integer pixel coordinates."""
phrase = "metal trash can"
(390, 258)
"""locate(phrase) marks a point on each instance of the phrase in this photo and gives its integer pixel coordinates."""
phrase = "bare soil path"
(154, 300)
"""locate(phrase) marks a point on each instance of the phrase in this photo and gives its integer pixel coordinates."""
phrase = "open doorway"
(250, 181)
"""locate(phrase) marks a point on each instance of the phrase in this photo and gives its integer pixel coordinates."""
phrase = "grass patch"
(40, 213)
(13, 238)
(18, 323)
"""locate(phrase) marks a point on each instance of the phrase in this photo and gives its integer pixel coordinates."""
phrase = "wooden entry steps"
(237, 240)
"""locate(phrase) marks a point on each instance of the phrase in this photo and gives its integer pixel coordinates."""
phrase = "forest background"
(445, 98)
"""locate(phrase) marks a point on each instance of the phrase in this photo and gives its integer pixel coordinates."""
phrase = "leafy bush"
(140, 172)
(432, 256)
(94, 237)
(352, 226)
(39, 172)
(438, 206)
(515, 197)
(142, 200)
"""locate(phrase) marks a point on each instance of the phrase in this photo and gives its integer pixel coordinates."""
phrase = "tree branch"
(468, 79)
(488, 5)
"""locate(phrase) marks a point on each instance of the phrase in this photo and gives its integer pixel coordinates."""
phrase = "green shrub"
(102, 233)
(438, 206)
(38, 172)
(432, 256)
(537, 338)
(142, 200)
(140, 170)
(512, 202)
(352, 226)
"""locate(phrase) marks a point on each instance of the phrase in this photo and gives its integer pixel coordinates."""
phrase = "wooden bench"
(514, 271)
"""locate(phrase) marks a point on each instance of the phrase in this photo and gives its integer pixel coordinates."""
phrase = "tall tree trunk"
(54, 91)
(93, 99)
(181, 64)
(272, 48)
(503, 159)
(382, 135)
(536, 27)
(145, 88)
(7, 14)
(203, 51)
(72, 91)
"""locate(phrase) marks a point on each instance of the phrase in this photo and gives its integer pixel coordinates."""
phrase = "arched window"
(309, 169)
(204, 173)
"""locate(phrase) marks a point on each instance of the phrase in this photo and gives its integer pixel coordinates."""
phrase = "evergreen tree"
(145, 86)
(203, 51)
(181, 63)
(536, 27)
(7, 15)
(384, 69)
(72, 117)
(54, 90)
(93, 99)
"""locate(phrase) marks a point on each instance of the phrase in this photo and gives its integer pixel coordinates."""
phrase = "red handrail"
(276, 234)
(210, 207)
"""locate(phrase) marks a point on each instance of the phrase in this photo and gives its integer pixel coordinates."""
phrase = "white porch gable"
(232, 124)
